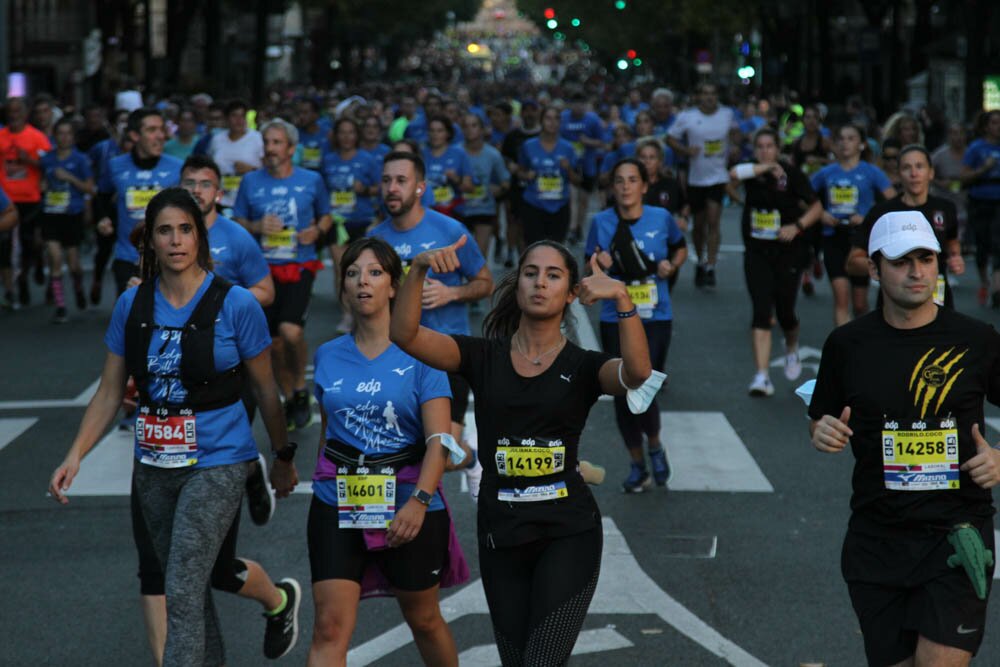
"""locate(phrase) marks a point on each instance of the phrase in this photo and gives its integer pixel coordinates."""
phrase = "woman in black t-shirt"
(540, 532)
(779, 206)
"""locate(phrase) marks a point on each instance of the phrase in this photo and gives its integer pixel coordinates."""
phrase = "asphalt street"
(738, 563)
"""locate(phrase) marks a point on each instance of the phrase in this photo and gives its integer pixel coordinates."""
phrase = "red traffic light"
(550, 13)
(631, 53)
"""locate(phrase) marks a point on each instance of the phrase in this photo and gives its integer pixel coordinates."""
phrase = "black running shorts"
(340, 553)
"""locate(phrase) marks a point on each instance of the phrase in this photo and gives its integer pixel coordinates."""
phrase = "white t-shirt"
(249, 148)
(711, 133)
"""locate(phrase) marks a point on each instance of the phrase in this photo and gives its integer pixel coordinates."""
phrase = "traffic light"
(575, 23)
(552, 24)
(631, 54)
(550, 13)
(622, 64)
(620, 4)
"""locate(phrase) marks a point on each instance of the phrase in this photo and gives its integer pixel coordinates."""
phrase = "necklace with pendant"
(537, 361)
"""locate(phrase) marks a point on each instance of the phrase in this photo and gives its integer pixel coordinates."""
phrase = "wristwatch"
(423, 497)
(286, 454)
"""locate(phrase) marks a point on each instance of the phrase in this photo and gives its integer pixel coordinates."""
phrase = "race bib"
(478, 193)
(955, 186)
(579, 149)
(550, 187)
(443, 194)
(311, 156)
(765, 225)
(56, 201)
(231, 182)
(343, 199)
(713, 148)
(844, 196)
(168, 441)
(282, 245)
(645, 298)
(534, 494)
(137, 199)
(939, 290)
(920, 459)
(529, 457)
(366, 497)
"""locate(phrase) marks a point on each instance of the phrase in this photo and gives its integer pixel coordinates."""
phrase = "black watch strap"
(288, 453)
(423, 497)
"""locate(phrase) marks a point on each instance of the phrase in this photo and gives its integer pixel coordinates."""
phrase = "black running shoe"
(282, 629)
(60, 316)
(699, 276)
(301, 410)
(95, 292)
(23, 295)
(709, 277)
(260, 496)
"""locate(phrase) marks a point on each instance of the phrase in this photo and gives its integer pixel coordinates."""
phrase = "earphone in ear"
(419, 191)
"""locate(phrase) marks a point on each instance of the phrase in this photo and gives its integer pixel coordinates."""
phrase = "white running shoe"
(793, 367)
(761, 385)
(473, 476)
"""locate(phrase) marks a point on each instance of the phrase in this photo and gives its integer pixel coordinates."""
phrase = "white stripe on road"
(623, 588)
(81, 400)
(107, 470)
(706, 454)
(11, 429)
(727, 247)
(585, 336)
(589, 641)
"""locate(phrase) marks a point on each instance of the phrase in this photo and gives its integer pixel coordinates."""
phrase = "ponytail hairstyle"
(178, 198)
(505, 317)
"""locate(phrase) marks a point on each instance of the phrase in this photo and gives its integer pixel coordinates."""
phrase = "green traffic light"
(575, 23)
(637, 61)
(620, 4)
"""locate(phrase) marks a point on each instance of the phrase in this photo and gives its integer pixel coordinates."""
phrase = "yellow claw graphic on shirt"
(934, 378)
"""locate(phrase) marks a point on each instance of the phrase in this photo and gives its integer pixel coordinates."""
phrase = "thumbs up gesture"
(598, 285)
(440, 260)
(831, 434)
(983, 468)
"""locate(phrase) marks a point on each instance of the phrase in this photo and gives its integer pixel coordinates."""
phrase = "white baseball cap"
(900, 232)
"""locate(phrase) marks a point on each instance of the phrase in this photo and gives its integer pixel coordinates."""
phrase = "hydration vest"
(206, 388)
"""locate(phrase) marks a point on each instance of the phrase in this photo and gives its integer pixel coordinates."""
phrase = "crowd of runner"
(216, 218)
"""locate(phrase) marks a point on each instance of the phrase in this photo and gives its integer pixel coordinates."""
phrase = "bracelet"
(627, 314)
(798, 224)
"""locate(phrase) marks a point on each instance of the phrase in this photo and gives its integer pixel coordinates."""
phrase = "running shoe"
(817, 268)
(699, 275)
(793, 366)
(60, 316)
(9, 302)
(260, 495)
(807, 285)
(761, 386)
(23, 295)
(301, 409)
(661, 467)
(638, 479)
(282, 629)
(709, 276)
(95, 292)
(474, 476)
(81, 299)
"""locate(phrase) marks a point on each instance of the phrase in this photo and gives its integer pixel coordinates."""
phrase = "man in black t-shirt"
(908, 383)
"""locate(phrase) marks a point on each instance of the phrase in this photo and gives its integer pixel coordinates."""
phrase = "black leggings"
(632, 427)
(538, 594)
(540, 225)
(984, 218)
(773, 281)
(105, 244)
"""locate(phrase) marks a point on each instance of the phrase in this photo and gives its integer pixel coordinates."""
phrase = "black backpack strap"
(138, 334)
(210, 304)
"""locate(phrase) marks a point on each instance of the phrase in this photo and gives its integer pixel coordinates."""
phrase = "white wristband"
(744, 171)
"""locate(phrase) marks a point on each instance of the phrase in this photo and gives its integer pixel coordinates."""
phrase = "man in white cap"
(904, 385)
